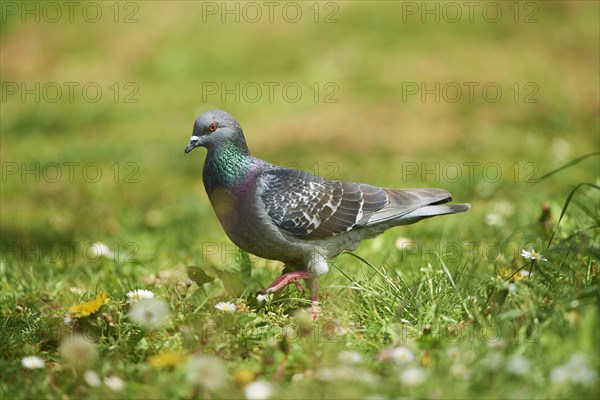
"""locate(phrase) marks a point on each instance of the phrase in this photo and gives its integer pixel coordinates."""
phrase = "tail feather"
(403, 202)
(432, 211)
(411, 205)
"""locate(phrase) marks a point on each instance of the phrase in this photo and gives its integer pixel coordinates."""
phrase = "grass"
(431, 308)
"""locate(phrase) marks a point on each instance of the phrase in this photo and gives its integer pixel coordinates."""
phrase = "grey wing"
(311, 207)
(306, 205)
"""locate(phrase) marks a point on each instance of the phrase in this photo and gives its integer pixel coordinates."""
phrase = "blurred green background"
(98, 100)
(142, 71)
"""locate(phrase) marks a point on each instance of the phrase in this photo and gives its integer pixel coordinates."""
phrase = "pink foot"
(286, 279)
(315, 310)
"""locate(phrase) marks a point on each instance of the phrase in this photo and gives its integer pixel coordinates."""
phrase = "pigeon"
(293, 216)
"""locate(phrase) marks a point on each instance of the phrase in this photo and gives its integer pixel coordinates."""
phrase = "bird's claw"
(274, 289)
(286, 279)
(297, 284)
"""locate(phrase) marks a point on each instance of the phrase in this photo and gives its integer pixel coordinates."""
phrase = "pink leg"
(313, 285)
(286, 279)
(292, 278)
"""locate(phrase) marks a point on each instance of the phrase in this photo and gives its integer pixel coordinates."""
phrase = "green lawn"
(481, 99)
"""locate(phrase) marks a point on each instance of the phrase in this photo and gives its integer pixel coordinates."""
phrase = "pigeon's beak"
(194, 142)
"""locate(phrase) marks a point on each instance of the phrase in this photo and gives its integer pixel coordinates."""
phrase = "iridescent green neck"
(226, 165)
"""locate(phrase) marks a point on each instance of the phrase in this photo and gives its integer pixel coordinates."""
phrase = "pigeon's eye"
(212, 127)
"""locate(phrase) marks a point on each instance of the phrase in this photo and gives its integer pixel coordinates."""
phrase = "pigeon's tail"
(428, 212)
(432, 211)
(411, 205)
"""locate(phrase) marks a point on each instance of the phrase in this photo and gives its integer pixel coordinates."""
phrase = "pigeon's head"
(213, 128)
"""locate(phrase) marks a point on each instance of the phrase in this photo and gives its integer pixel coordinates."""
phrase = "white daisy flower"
(560, 375)
(225, 306)
(493, 361)
(33, 362)
(579, 370)
(402, 355)
(349, 357)
(91, 378)
(403, 243)
(585, 376)
(576, 370)
(138, 294)
(504, 207)
(263, 297)
(501, 210)
(298, 376)
(114, 383)
(453, 352)
(207, 371)
(413, 376)
(76, 290)
(458, 370)
(96, 250)
(517, 365)
(494, 219)
(326, 374)
(532, 255)
(259, 390)
(68, 320)
(149, 313)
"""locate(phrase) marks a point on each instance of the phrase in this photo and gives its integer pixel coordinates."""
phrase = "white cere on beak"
(194, 138)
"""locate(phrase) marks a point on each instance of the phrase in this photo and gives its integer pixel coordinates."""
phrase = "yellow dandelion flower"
(244, 376)
(89, 307)
(167, 359)
(506, 272)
